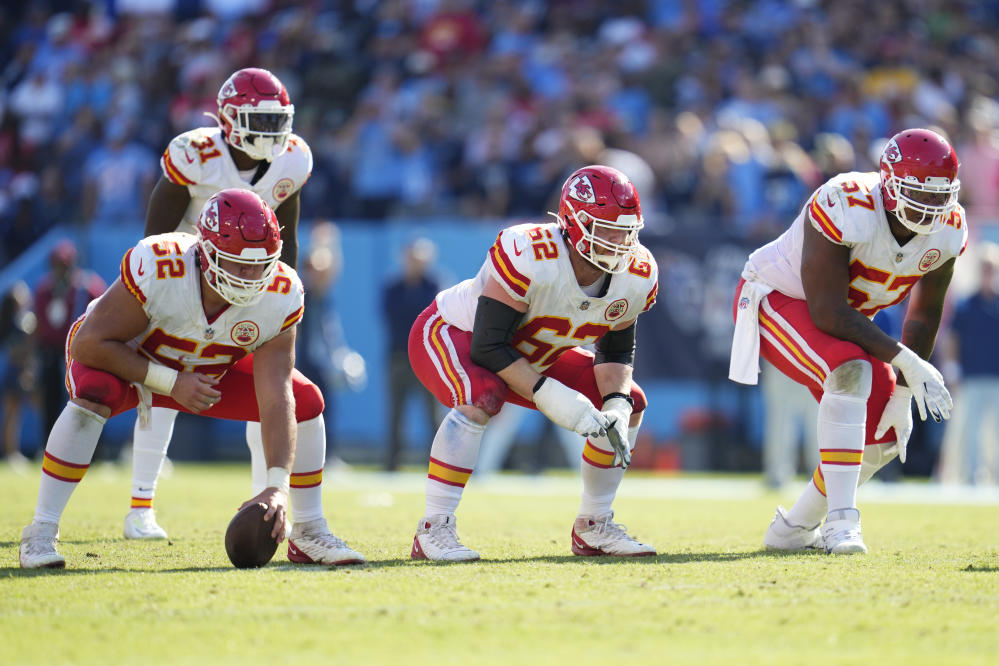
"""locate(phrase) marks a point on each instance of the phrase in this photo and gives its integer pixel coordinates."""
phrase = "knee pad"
(876, 456)
(852, 379)
(309, 401)
(638, 396)
(101, 387)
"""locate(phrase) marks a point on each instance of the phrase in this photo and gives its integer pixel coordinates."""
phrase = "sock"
(149, 448)
(258, 463)
(600, 480)
(306, 494)
(68, 453)
(452, 459)
(841, 432)
(811, 506)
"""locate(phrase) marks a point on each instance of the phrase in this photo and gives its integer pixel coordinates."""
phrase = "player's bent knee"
(473, 414)
(639, 399)
(97, 408)
(490, 400)
(101, 389)
(853, 379)
(309, 401)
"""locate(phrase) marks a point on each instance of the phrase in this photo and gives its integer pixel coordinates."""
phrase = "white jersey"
(200, 161)
(162, 275)
(848, 210)
(531, 262)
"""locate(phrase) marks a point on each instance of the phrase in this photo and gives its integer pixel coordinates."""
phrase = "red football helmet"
(256, 113)
(600, 213)
(238, 227)
(919, 179)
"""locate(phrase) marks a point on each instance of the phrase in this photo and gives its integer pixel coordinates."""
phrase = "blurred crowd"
(724, 112)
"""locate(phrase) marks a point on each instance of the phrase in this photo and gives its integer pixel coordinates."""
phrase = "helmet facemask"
(921, 206)
(236, 290)
(597, 234)
(260, 131)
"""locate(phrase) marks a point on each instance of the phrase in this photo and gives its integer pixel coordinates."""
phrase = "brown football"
(248, 541)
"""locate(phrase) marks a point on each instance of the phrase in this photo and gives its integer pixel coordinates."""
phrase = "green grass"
(928, 593)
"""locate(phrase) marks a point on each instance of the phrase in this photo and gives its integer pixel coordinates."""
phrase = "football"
(248, 541)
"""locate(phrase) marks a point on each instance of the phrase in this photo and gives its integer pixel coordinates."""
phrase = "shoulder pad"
(182, 161)
(511, 256)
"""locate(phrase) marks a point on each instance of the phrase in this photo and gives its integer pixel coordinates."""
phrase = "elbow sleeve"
(617, 347)
(492, 333)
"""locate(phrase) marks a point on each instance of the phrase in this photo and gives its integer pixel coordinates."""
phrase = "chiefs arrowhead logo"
(581, 189)
(892, 152)
(245, 333)
(211, 217)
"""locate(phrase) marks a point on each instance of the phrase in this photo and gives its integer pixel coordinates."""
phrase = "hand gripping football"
(248, 541)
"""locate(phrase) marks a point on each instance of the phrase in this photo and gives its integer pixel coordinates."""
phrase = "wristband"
(280, 478)
(160, 378)
(623, 396)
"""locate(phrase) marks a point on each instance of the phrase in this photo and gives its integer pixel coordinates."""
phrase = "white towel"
(145, 404)
(744, 364)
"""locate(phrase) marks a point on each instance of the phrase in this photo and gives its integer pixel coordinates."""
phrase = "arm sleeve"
(492, 333)
(617, 346)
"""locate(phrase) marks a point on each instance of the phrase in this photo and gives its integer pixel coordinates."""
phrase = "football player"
(204, 324)
(513, 333)
(863, 242)
(251, 148)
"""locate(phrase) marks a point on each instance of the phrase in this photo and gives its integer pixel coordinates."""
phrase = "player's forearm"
(111, 356)
(920, 335)
(279, 432)
(520, 377)
(846, 323)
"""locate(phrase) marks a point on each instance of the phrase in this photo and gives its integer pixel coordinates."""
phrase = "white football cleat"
(841, 532)
(38, 547)
(784, 535)
(141, 524)
(600, 535)
(437, 539)
(313, 543)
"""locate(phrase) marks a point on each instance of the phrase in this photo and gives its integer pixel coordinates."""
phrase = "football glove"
(570, 409)
(618, 413)
(926, 384)
(898, 415)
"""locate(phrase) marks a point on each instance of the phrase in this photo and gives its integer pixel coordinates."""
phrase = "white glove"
(570, 409)
(926, 383)
(898, 415)
(618, 412)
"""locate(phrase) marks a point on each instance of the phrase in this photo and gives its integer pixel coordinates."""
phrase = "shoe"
(437, 539)
(841, 532)
(600, 535)
(141, 524)
(784, 535)
(38, 547)
(313, 543)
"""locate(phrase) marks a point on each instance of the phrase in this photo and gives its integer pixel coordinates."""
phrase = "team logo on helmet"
(228, 88)
(245, 333)
(616, 309)
(581, 189)
(283, 188)
(211, 216)
(892, 152)
(931, 257)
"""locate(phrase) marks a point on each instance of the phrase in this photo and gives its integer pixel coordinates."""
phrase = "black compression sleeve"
(495, 324)
(617, 347)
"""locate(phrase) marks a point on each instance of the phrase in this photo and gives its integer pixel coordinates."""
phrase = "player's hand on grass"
(196, 391)
(618, 413)
(276, 501)
(570, 409)
(897, 415)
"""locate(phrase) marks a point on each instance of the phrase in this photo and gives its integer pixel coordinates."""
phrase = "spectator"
(971, 449)
(60, 297)
(403, 299)
(118, 177)
(17, 323)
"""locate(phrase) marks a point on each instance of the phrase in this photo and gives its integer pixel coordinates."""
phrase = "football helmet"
(600, 214)
(919, 179)
(256, 113)
(238, 228)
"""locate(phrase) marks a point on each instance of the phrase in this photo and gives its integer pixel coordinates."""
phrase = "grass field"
(928, 593)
